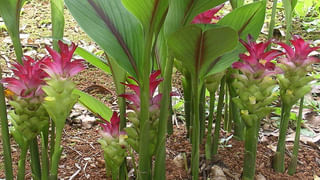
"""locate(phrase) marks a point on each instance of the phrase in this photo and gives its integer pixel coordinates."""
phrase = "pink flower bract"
(28, 80)
(208, 17)
(258, 61)
(62, 66)
(135, 97)
(299, 55)
(111, 129)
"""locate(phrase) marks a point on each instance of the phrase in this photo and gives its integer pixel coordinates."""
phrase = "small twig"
(78, 152)
(77, 172)
(84, 169)
(175, 120)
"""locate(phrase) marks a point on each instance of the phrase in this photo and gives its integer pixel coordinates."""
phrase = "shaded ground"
(82, 157)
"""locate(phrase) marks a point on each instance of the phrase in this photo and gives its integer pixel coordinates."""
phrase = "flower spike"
(111, 129)
(299, 56)
(135, 97)
(258, 61)
(62, 66)
(29, 78)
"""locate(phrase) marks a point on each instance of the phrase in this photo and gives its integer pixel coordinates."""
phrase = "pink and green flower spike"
(28, 116)
(257, 64)
(135, 96)
(61, 65)
(59, 84)
(60, 99)
(294, 85)
(28, 80)
(294, 82)
(113, 144)
(110, 130)
(299, 55)
(254, 94)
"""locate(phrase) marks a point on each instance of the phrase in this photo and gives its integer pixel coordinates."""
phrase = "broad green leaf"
(57, 19)
(198, 49)
(149, 12)
(236, 3)
(94, 105)
(10, 12)
(245, 20)
(182, 12)
(93, 59)
(113, 28)
(293, 4)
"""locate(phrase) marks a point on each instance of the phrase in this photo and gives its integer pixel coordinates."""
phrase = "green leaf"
(149, 12)
(93, 59)
(10, 12)
(57, 19)
(94, 105)
(198, 49)
(113, 28)
(182, 12)
(245, 20)
(236, 3)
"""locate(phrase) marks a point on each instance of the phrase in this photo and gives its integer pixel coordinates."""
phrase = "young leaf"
(111, 26)
(149, 12)
(94, 105)
(57, 18)
(199, 49)
(245, 20)
(10, 12)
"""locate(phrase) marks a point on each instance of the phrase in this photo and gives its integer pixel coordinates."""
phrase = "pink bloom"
(258, 61)
(111, 129)
(299, 55)
(135, 97)
(208, 17)
(62, 66)
(28, 80)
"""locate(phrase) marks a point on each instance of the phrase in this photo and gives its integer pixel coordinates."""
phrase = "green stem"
(226, 122)
(272, 21)
(251, 141)
(144, 144)
(187, 101)
(239, 126)
(288, 17)
(170, 123)
(52, 138)
(202, 111)
(218, 119)
(294, 158)
(278, 159)
(122, 107)
(208, 146)
(5, 134)
(22, 162)
(35, 161)
(44, 154)
(195, 130)
(160, 163)
(17, 46)
(56, 154)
